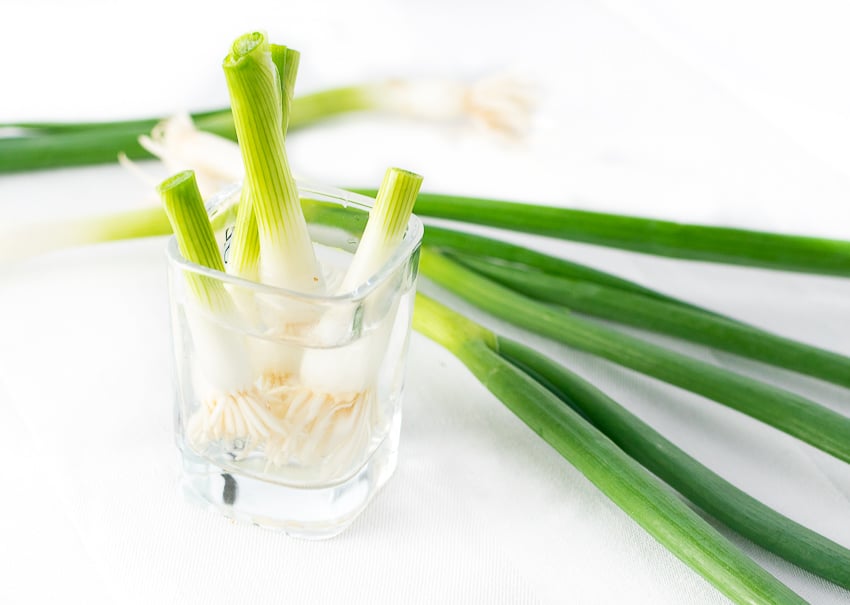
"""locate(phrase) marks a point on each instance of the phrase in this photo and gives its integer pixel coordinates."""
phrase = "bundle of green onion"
(290, 405)
(642, 472)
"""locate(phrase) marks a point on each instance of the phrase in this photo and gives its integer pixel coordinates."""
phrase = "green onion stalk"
(470, 244)
(688, 323)
(703, 487)
(647, 235)
(501, 103)
(231, 405)
(245, 250)
(184, 207)
(786, 411)
(58, 145)
(382, 236)
(287, 258)
(645, 498)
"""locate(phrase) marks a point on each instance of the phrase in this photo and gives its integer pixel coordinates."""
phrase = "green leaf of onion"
(195, 238)
(789, 412)
(706, 489)
(646, 499)
(646, 235)
(686, 322)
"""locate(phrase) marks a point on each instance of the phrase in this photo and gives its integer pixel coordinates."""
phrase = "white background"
(731, 113)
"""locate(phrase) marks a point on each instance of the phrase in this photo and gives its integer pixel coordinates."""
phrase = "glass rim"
(409, 245)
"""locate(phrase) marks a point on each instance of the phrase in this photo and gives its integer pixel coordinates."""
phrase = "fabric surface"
(651, 110)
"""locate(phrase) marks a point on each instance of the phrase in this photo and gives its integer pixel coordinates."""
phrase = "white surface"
(731, 113)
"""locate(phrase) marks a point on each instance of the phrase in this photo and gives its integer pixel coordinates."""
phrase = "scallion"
(470, 244)
(245, 248)
(789, 412)
(646, 499)
(689, 323)
(706, 489)
(646, 235)
(385, 227)
(287, 258)
(499, 103)
(232, 407)
(195, 238)
(384, 231)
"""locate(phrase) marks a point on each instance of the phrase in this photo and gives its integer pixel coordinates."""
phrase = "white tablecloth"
(732, 113)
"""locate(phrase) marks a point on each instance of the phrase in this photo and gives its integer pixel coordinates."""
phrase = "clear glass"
(288, 405)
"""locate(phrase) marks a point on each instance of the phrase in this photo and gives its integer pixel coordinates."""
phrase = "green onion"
(781, 409)
(384, 232)
(707, 490)
(195, 238)
(210, 308)
(287, 258)
(73, 148)
(229, 403)
(188, 217)
(244, 257)
(651, 503)
(478, 245)
(688, 323)
(245, 249)
(649, 236)
(499, 103)
(286, 61)
(307, 110)
(59, 145)
(141, 125)
(385, 227)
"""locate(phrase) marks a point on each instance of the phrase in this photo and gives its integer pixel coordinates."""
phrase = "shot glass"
(288, 405)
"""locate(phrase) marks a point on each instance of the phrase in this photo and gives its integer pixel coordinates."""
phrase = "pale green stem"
(244, 258)
(195, 238)
(287, 258)
(385, 227)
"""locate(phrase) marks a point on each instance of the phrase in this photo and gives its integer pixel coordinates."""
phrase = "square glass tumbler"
(287, 412)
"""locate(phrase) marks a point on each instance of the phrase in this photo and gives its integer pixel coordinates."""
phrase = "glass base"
(312, 513)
